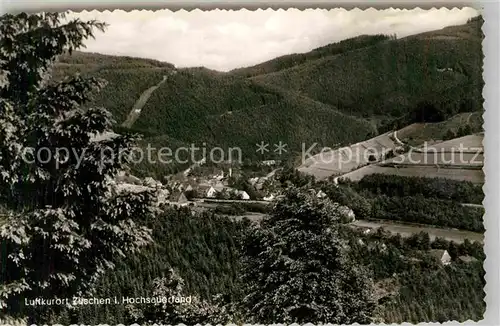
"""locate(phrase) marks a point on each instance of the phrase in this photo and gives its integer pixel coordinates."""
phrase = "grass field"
(418, 133)
(459, 152)
(472, 175)
(346, 159)
(426, 144)
(442, 160)
(460, 158)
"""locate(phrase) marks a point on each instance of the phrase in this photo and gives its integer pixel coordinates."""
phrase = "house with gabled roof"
(321, 194)
(442, 255)
(179, 199)
(211, 192)
(243, 194)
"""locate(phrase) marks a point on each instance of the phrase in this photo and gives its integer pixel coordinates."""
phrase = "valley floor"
(405, 229)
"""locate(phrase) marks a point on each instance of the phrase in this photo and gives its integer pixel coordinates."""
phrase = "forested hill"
(394, 77)
(290, 60)
(341, 93)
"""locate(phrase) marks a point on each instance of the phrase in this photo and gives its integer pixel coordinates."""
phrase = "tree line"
(438, 188)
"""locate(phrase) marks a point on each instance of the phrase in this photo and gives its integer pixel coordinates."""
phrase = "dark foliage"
(67, 224)
(418, 209)
(438, 188)
(201, 248)
(296, 266)
(438, 73)
(451, 293)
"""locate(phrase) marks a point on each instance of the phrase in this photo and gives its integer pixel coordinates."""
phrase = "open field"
(472, 175)
(417, 134)
(457, 159)
(464, 151)
(465, 144)
(346, 159)
(443, 158)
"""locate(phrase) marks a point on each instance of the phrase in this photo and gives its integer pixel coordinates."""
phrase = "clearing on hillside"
(417, 134)
(456, 159)
(343, 160)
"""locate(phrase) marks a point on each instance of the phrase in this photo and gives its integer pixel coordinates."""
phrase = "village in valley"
(196, 185)
(219, 189)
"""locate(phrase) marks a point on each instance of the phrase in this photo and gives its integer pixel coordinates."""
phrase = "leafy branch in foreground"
(65, 224)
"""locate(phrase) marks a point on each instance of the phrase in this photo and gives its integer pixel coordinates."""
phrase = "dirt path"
(398, 141)
(139, 104)
(473, 205)
(468, 118)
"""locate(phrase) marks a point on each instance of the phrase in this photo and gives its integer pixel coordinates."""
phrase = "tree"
(241, 183)
(296, 266)
(176, 307)
(427, 111)
(66, 223)
(420, 241)
(293, 177)
(345, 195)
(191, 194)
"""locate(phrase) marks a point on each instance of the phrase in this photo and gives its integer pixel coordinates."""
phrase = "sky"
(225, 40)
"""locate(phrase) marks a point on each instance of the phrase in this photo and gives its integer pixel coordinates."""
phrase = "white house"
(211, 192)
(443, 256)
(243, 194)
(178, 200)
(269, 197)
(163, 195)
(253, 181)
(321, 194)
(150, 182)
(269, 162)
(182, 200)
(219, 186)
